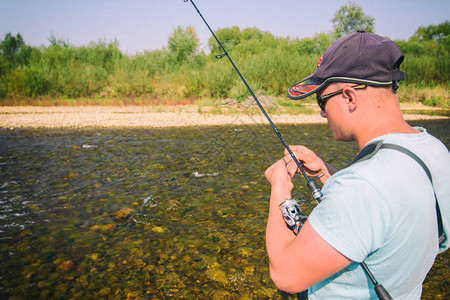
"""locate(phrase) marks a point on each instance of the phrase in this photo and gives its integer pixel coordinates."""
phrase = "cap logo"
(301, 89)
(320, 61)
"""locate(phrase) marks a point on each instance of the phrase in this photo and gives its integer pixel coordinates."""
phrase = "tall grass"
(100, 71)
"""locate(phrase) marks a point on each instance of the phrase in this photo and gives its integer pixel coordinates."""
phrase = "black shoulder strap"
(367, 152)
(371, 149)
(424, 166)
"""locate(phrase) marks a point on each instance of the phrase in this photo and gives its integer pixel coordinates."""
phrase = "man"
(380, 210)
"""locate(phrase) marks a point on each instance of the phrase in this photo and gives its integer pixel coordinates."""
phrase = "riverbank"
(172, 116)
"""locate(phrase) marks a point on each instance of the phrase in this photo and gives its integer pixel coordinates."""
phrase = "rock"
(65, 266)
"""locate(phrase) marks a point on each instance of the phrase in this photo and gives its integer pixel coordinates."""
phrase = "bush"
(183, 43)
(426, 70)
(219, 78)
(269, 65)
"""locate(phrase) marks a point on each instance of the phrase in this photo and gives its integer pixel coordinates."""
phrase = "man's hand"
(312, 164)
(280, 175)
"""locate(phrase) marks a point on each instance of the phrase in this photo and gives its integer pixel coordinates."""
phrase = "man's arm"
(296, 262)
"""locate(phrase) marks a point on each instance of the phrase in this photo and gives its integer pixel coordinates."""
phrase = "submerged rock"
(65, 266)
(123, 213)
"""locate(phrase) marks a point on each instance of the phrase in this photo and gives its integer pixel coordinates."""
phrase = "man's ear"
(351, 96)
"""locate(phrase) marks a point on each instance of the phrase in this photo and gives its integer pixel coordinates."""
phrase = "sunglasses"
(322, 100)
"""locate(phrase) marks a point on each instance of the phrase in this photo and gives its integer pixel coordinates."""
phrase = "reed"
(101, 72)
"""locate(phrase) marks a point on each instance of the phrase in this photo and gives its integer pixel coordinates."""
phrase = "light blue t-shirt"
(382, 211)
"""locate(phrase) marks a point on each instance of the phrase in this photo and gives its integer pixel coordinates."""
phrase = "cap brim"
(308, 86)
(311, 85)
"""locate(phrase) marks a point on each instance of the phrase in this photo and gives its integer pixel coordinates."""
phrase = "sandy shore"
(129, 116)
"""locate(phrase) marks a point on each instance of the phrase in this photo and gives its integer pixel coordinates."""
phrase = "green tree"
(431, 33)
(229, 37)
(183, 43)
(11, 45)
(350, 18)
(436, 37)
(58, 42)
(251, 33)
(13, 52)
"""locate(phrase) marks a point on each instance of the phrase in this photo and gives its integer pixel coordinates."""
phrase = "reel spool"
(293, 215)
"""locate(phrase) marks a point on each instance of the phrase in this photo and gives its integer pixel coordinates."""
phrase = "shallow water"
(150, 213)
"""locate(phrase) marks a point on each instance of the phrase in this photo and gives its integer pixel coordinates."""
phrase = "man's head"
(359, 58)
(353, 110)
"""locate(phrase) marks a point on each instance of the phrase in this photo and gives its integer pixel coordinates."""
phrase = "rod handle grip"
(382, 293)
(315, 190)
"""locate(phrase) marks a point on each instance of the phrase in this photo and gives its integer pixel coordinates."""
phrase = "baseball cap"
(359, 57)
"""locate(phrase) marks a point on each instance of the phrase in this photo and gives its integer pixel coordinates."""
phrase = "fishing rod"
(292, 213)
(311, 184)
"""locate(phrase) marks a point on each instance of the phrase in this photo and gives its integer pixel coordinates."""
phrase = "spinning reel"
(293, 215)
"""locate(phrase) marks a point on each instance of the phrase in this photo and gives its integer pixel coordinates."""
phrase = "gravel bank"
(101, 116)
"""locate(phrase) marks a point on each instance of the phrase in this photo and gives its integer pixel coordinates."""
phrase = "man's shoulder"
(425, 146)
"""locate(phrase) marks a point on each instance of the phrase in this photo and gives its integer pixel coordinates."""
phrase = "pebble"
(145, 116)
(108, 117)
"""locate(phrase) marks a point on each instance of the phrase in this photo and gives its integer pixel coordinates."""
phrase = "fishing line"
(255, 133)
(261, 143)
(311, 184)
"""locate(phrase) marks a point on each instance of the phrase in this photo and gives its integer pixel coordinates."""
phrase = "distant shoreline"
(155, 117)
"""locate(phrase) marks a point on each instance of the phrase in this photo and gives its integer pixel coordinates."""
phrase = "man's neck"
(384, 129)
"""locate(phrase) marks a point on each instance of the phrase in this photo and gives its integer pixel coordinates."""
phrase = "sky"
(145, 25)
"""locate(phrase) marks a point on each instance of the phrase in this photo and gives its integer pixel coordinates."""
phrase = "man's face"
(336, 112)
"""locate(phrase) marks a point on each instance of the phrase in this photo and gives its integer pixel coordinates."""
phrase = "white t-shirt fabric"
(382, 211)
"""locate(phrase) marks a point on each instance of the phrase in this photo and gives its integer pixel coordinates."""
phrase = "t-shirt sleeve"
(352, 217)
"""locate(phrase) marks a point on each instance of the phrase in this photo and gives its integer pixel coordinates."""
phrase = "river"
(151, 213)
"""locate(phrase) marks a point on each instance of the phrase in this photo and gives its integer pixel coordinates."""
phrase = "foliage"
(183, 43)
(315, 45)
(436, 36)
(269, 64)
(436, 33)
(229, 37)
(427, 57)
(11, 45)
(350, 18)
(13, 52)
